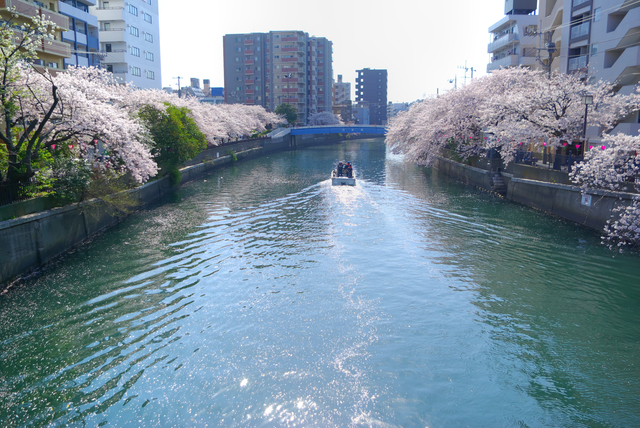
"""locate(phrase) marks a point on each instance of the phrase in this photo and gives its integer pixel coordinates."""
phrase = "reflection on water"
(261, 295)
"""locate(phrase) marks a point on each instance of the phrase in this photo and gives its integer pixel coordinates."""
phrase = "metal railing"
(13, 192)
(548, 160)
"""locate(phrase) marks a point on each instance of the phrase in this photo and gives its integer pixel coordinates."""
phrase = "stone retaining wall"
(558, 199)
(32, 240)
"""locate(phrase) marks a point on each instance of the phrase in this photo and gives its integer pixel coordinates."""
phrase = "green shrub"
(174, 176)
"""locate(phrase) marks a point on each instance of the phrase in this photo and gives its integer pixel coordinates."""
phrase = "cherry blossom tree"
(323, 118)
(615, 166)
(513, 105)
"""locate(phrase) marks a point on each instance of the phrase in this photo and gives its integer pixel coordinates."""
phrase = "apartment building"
(341, 92)
(371, 93)
(51, 55)
(82, 35)
(269, 69)
(129, 35)
(514, 39)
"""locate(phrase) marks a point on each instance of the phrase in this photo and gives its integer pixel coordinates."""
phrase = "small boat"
(342, 179)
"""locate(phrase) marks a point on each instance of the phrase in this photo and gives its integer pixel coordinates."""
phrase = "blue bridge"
(329, 129)
(339, 129)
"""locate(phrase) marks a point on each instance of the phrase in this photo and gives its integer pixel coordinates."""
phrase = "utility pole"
(454, 81)
(179, 87)
(465, 68)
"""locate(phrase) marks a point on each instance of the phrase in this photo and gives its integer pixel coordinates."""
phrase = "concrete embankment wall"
(32, 240)
(562, 200)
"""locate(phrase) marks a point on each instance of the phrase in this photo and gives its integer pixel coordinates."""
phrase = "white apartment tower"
(130, 40)
(514, 39)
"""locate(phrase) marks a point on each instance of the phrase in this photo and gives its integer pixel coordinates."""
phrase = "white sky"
(422, 43)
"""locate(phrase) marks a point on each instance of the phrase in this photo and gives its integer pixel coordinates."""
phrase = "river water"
(263, 296)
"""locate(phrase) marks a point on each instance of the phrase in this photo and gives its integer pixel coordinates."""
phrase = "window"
(597, 14)
(136, 71)
(133, 10)
(148, 17)
(148, 37)
(149, 56)
(105, 5)
(150, 74)
(134, 31)
(52, 65)
(134, 51)
(107, 26)
(107, 47)
(110, 68)
(594, 49)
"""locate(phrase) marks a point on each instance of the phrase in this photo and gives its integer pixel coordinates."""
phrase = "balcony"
(578, 63)
(54, 47)
(30, 9)
(289, 39)
(289, 69)
(507, 61)
(249, 92)
(110, 14)
(250, 81)
(290, 80)
(248, 51)
(112, 35)
(248, 42)
(293, 49)
(249, 72)
(580, 31)
(289, 59)
(501, 42)
(249, 62)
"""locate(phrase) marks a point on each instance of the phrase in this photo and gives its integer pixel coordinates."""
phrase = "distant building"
(394, 108)
(216, 95)
(361, 115)
(130, 40)
(341, 92)
(52, 53)
(270, 69)
(371, 92)
(82, 36)
(514, 39)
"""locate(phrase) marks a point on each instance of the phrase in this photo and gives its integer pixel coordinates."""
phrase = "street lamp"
(587, 100)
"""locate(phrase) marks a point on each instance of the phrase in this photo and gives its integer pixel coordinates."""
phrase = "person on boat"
(349, 170)
(339, 172)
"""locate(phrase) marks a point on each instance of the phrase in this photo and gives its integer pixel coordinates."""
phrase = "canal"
(263, 296)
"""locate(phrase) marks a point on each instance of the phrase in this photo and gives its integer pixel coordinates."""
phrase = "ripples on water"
(263, 296)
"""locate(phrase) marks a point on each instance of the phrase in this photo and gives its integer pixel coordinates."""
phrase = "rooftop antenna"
(179, 87)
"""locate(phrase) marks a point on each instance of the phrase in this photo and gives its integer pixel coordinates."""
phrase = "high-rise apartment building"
(371, 92)
(82, 36)
(51, 55)
(130, 40)
(595, 39)
(270, 69)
